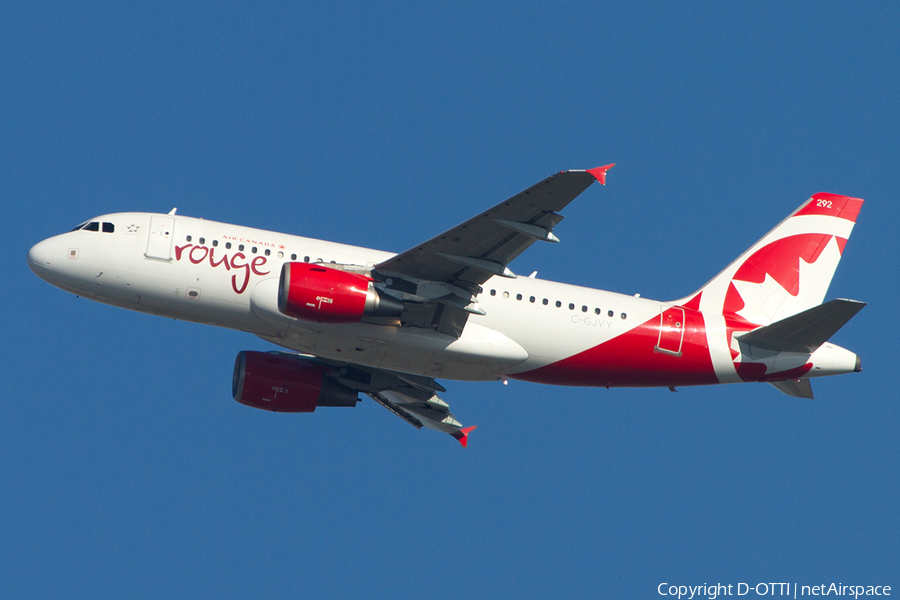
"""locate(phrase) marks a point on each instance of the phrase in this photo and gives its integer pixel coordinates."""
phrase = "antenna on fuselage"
(172, 212)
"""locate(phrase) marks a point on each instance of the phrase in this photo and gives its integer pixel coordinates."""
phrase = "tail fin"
(789, 270)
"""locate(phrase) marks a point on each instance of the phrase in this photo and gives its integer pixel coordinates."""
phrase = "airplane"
(357, 321)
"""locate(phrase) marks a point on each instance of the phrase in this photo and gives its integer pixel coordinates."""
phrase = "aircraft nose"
(40, 258)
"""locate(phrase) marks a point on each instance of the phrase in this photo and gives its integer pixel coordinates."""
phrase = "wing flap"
(432, 412)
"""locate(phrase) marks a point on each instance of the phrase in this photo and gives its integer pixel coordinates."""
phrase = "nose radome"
(40, 257)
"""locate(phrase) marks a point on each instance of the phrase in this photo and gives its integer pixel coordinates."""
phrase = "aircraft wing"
(445, 273)
(419, 411)
(413, 398)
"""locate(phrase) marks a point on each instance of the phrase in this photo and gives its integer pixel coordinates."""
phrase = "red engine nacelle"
(318, 293)
(286, 383)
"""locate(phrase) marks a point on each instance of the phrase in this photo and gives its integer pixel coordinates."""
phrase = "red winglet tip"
(463, 435)
(600, 172)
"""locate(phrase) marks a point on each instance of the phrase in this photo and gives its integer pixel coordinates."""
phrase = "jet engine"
(317, 293)
(282, 382)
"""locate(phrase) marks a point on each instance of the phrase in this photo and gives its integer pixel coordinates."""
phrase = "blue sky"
(128, 470)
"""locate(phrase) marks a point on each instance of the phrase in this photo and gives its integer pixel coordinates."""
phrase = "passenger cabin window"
(228, 245)
(215, 243)
(202, 241)
(188, 238)
(293, 257)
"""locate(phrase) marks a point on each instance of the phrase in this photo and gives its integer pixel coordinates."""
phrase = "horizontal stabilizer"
(805, 331)
(798, 388)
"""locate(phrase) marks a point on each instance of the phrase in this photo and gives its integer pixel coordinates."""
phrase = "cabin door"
(671, 330)
(159, 244)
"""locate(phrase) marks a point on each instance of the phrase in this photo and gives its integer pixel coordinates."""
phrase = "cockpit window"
(96, 226)
(79, 226)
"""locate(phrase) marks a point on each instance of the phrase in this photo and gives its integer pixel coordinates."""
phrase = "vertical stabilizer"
(790, 268)
(785, 273)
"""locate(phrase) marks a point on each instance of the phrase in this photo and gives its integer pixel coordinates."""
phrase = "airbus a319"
(357, 321)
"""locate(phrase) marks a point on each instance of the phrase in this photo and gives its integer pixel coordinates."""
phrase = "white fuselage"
(227, 275)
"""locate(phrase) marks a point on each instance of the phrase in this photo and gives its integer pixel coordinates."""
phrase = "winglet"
(463, 435)
(600, 172)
